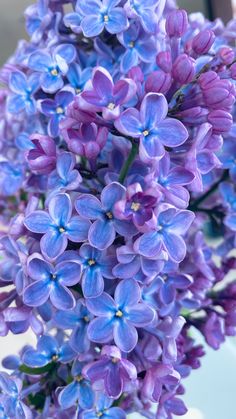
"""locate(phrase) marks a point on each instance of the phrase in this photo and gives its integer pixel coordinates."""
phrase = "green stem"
(194, 206)
(126, 166)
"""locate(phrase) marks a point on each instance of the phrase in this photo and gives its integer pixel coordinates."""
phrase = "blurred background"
(211, 390)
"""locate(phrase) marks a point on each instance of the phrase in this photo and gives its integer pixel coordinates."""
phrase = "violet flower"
(65, 177)
(23, 89)
(104, 409)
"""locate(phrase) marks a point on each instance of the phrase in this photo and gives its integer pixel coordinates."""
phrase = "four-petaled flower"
(79, 389)
(51, 282)
(65, 177)
(100, 14)
(103, 231)
(113, 369)
(53, 67)
(103, 409)
(171, 226)
(118, 318)
(23, 92)
(48, 350)
(57, 226)
(107, 96)
(12, 396)
(96, 265)
(152, 127)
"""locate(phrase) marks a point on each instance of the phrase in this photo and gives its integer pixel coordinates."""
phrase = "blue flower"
(119, 317)
(96, 266)
(54, 109)
(78, 77)
(80, 389)
(104, 409)
(139, 46)
(48, 350)
(53, 67)
(57, 226)
(171, 226)
(12, 395)
(98, 15)
(38, 17)
(65, 177)
(12, 175)
(23, 92)
(51, 282)
(146, 11)
(103, 231)
(77, 320)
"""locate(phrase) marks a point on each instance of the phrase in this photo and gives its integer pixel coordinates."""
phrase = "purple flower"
(138, 45)
(57, 226)
(177, 23)
(98, 15)
(107, 96)
(11, 389)
(48, 350)
(213, 330)
(78, 390)
(65, 177)
(96, 266)
(23, 93)
(42, 155)
(77, 320)
(171, 226)
(52, 67)
(152, 127)
(119, 317)
(170, 181)
(113, 369)
(54, 109)
(104, 410)
(156, 377)
(203, 41)
(137, 206)
(51, 282)
(103, 231)
(84, 139)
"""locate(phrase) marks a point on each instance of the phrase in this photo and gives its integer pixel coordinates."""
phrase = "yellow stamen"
(111, 106)
(78, 90)
(55, 358)
(79, 378)
(119, 313)
(114, 360)
(106, 18)
(109, 215)
(131, 44)
(61, 230)
(59, 110)
(54, 276)
(86, 319)
(135, 206)
(54, 72)
(145, 133)
(91, 262)
(99, 414)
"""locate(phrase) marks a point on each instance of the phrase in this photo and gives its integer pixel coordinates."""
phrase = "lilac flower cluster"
(117, 169)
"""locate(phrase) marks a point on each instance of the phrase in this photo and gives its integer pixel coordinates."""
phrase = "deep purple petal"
(102, 82)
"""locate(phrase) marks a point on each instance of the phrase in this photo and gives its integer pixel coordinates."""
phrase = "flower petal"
(38, 221)
(69, 395)
(171, 132)
(153, 110)
(125, 336)
(127, 293)
(149, 244)
(77, 229)
(36, 294)
(88, 206)
(61, 297)
(117, 21)
(53, 244)
(34, 359)
(60, 209)
(100, 330)
(111, 194)
(92, 283)
(129, 124)
(175, 246)
(68, 273)
(102, 306)
(140, 315)
(101, 234)
(92, 25)
(38, 269)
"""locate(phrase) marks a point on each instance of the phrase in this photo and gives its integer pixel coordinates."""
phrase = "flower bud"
(42, 158)
(226, 55)
(164, 61)
(203, 41)
(158, 82)
(233, 71)
(221, 121)
(183, 69)
(177, 23)
(208, 80)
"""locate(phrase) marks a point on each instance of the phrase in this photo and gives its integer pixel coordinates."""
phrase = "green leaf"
(36, 371)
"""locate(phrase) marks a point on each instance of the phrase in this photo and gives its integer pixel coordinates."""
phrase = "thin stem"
(194, 206)
(126, 166)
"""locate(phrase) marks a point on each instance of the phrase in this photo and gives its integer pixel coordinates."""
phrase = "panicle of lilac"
(117, 163)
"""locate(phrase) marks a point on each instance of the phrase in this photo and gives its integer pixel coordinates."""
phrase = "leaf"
(36, 371)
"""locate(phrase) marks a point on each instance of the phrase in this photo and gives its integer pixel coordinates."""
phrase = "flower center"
(62, 230)
(79, 378)
(91, 262)
(145, 133)
(106, 18)
(54, 72)
(59, 110)
(86, 319)
(99, 414)
(135, 206)
(111, 106)
(78, 90)
(119, 313)
(55, 358)
(109, 215)
(114, 360)
(131, 44)
(53, 277)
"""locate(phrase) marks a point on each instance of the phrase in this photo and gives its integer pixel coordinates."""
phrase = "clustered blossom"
(117, 163)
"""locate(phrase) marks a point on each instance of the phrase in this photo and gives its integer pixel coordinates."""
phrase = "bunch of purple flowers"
(118, 165)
